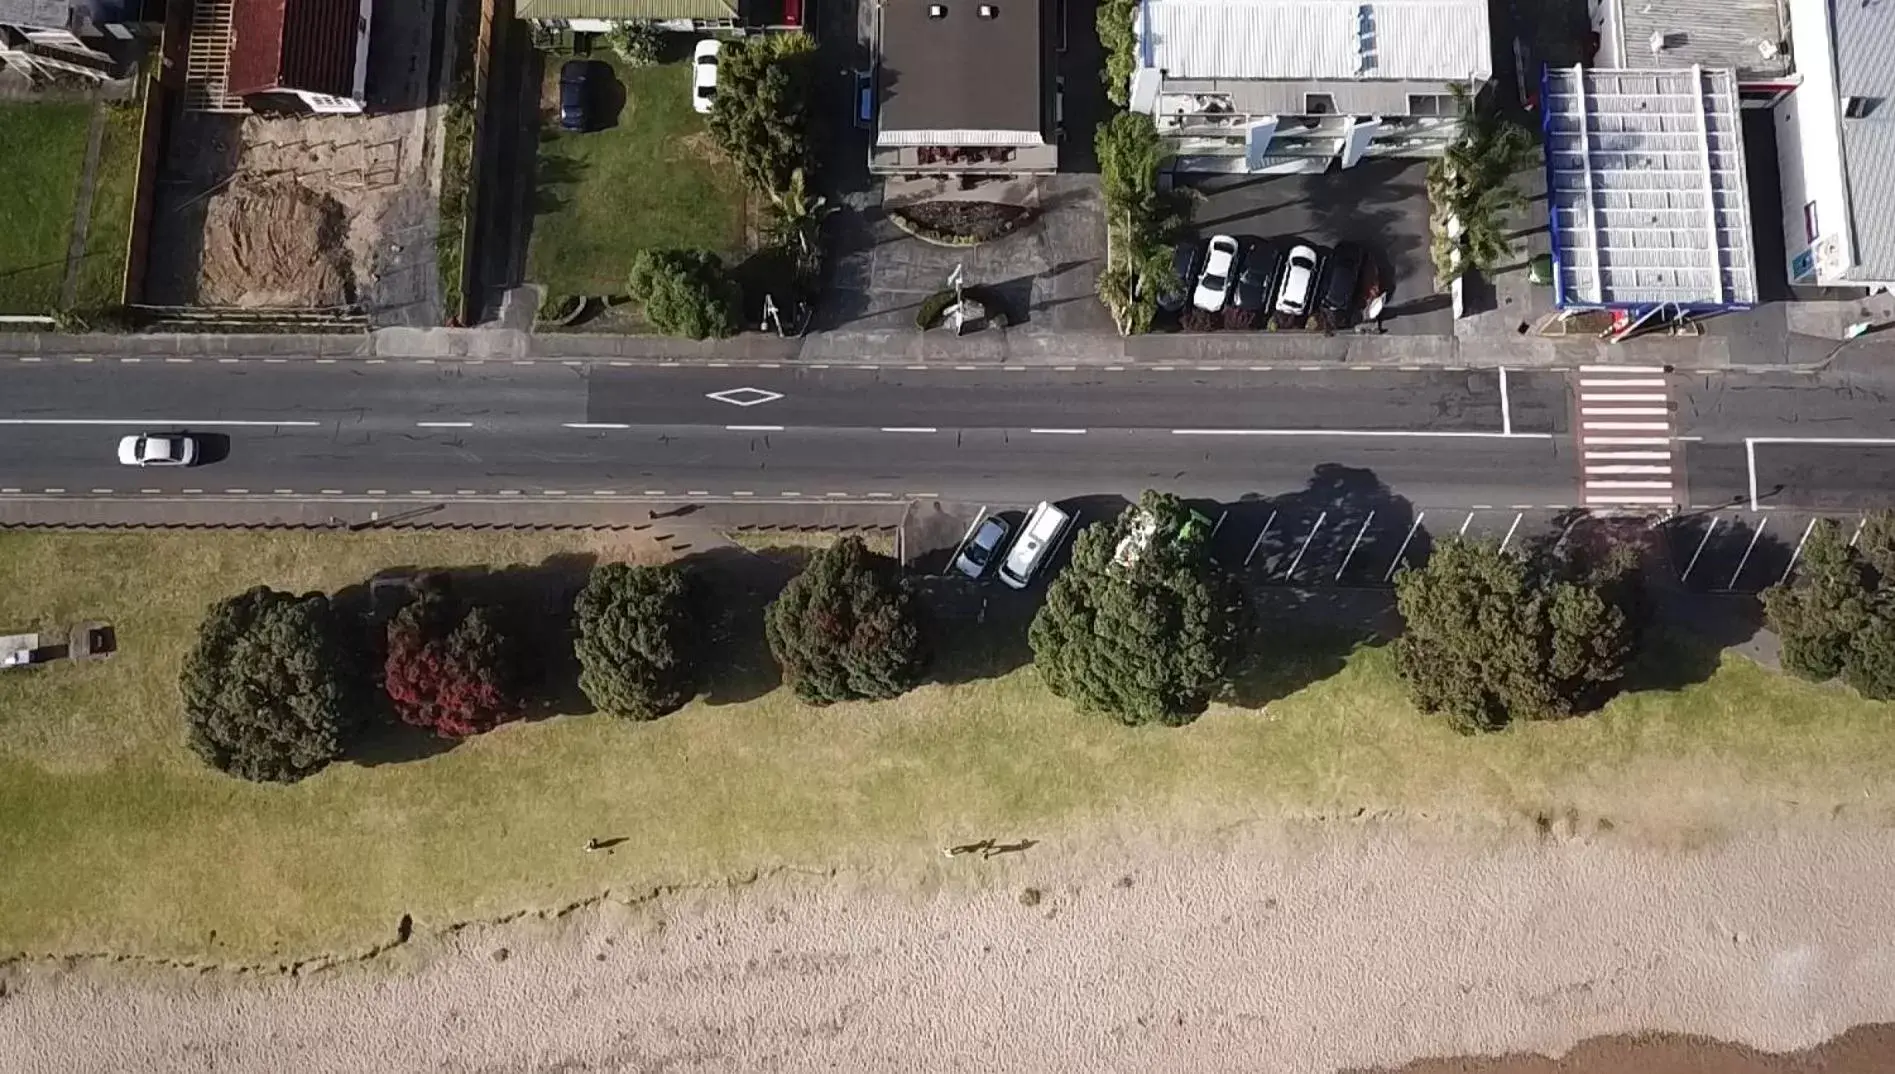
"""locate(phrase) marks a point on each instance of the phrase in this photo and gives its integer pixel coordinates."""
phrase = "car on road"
(1256, 280)
(157, 449)
(982, 550)
(1038, 535)
(1220, 265)
(704, 74)
(1340, 276)
(1299, 280)
(1185, 258)
(575, 95)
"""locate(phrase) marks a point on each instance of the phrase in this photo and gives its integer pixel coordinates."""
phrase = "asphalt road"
(1433, 438)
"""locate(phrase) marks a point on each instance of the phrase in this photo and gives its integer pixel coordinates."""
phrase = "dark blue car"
(575, 93)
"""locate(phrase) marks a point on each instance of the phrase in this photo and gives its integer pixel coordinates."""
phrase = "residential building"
(300, 54)
(1647, 198)
(1836, 145)
(1292, 85)
(964, 86)
(1747, 36)
(599, 16)
(45, 38)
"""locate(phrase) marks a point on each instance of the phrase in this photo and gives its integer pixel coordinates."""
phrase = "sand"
(1309, 949)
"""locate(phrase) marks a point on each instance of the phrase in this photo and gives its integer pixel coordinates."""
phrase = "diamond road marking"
(744, 396)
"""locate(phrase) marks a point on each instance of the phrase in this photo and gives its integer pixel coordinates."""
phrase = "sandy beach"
(1303, 950)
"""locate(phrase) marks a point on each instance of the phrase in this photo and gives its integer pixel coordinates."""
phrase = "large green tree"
(761, 115)
(1141, 628)
(685, 293)
(1491, 636)
(1816, 617)
(273, 688)
(639, 640)
(847, 628)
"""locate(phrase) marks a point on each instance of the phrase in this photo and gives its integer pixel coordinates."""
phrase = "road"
(1434, 437)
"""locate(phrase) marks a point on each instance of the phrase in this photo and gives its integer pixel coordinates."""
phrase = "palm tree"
(797, 222)
(1472, 189)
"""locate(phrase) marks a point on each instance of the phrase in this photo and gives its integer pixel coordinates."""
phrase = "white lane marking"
(754, 428)
(371, 492)
(1290, 574)
(1794, 556)
(882, 495)
(594, 425)
(172, 361)
(1059, 432)
(1626, 411)
(1658, 382)
(1628, 468)
(444, 424)
(238, 492)
(195, 491)
(1623, 369)
(1627, 441)
(1763, 522)
(1403, 550)
(1506, 405)
(89, 359)
(909, 429)
(1602, 499)
(1706, 539)
(154, 421)
(837, 495)
(509, 492)
(915, 367)
(1835, 441)
(1750, 460)
(101, 492)
(1628, 426)
(605, 492)
(151, 492)
(420, 492)
(1624, 397)
(1383, 433)
(325, 492)
(10, 490)
(1661, 455)
(654, 492)
(62, 490)
(1628, 484)
(697, 492)
(1261, 534)
(283, 492)
(743, 492)
(789, 495)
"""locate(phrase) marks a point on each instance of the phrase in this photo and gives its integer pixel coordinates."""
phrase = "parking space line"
(1508, 539)
(1798, 553)
(1567, 532)
(1353, 545)
(1716, 521)
(1857, 535)
(1403, 550)
(1465, 523)
(1261, 534)
(1290, 575)
(1762, 524)
(1220, 523)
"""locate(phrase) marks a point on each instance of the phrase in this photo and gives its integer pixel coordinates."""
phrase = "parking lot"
(1381, 204)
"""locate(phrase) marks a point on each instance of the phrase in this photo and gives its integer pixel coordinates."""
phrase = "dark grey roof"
(1748, 35)
(1865, 67)
(962, 72)
(50, 14)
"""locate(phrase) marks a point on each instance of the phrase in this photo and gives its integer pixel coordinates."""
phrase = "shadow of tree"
(734, 586)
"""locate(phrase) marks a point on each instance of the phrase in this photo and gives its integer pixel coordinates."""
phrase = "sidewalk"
(1024, 346)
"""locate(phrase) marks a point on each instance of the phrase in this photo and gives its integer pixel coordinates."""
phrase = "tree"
(1869, 666)
(450, 667)
(760, 117)
(846, 628)
(272, 689)
(1116, 26)
(1491, 636)
(1140, 221)
(685, 293)
(1471, 188)
(1817, 616)
(796, 224)
(640, 44)
(1145, 637)
(638, 641)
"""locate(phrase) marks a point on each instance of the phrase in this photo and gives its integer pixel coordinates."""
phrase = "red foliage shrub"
(449, 668)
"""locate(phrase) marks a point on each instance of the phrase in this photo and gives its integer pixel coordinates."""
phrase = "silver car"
(157, 449)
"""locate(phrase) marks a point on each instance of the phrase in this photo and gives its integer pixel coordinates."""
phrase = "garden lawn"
(114, 838)
(45, 150)
(654, 179)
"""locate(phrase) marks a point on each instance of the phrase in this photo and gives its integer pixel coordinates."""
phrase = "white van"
(1037, 538)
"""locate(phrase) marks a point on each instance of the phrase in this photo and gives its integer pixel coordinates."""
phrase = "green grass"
(113, 838)
(654, 180)
(45, 152)
(102, 272)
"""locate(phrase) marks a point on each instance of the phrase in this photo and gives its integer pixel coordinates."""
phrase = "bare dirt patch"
(276, 243)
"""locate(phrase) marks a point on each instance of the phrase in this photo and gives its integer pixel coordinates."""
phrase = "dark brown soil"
(1862, 1050)
(976, 220)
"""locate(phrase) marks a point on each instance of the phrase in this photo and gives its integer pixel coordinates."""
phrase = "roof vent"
(937, 11)
(988, 11)
(1658, 41)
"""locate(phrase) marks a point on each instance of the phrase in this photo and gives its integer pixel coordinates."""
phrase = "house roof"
(294, 44)
(1748, 35)
(1432, 40)
(656, 10)
(1865, 68)
(1646, 190)
(49, 14)
(960, 79)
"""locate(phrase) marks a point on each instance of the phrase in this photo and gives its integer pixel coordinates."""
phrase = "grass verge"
(45, 149)
(116, 840)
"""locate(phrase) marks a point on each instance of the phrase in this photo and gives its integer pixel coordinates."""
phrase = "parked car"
(704, 74)
(1340, 278)
(1185, 259)
(157, 449)
(575, 95)
(982, 550)
(1038, 535)
(1256, 280)
(1299, 280)
(864, 99)
(1220, 266)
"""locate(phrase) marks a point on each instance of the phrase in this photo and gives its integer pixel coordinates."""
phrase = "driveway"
(1381, 204)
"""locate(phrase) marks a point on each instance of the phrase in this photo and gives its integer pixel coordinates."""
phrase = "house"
(599, 16)
(1747, 36)
(1836, 145)
(44, 38)
(1291, 85)
(299, 54)
(964, 86)
(1648, 204)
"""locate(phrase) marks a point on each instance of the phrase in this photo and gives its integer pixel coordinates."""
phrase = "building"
(1836, 145)
(46, 38)
(300, 54)
(1291, 85)
(1646, 193)
(599, 16)
(964, 86)
(1747, 36)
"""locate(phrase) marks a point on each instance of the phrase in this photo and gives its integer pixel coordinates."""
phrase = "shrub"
(685, 293)
(1869, 666)
(450, 668)
(846, 628)
(638, 643)
(640, 44)
(1816, 616)
(1194, 319)
(933, 308)
(272, 689)
(760, 117)
(1115, 26)
(1149, 641)
(1238, 319)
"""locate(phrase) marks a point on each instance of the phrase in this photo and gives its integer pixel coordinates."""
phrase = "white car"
(1299, 279)
(704, 74)
(1220, 265)
(147, 449)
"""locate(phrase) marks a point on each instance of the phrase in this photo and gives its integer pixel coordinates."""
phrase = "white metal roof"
(1433, 40)
(1645, 185)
